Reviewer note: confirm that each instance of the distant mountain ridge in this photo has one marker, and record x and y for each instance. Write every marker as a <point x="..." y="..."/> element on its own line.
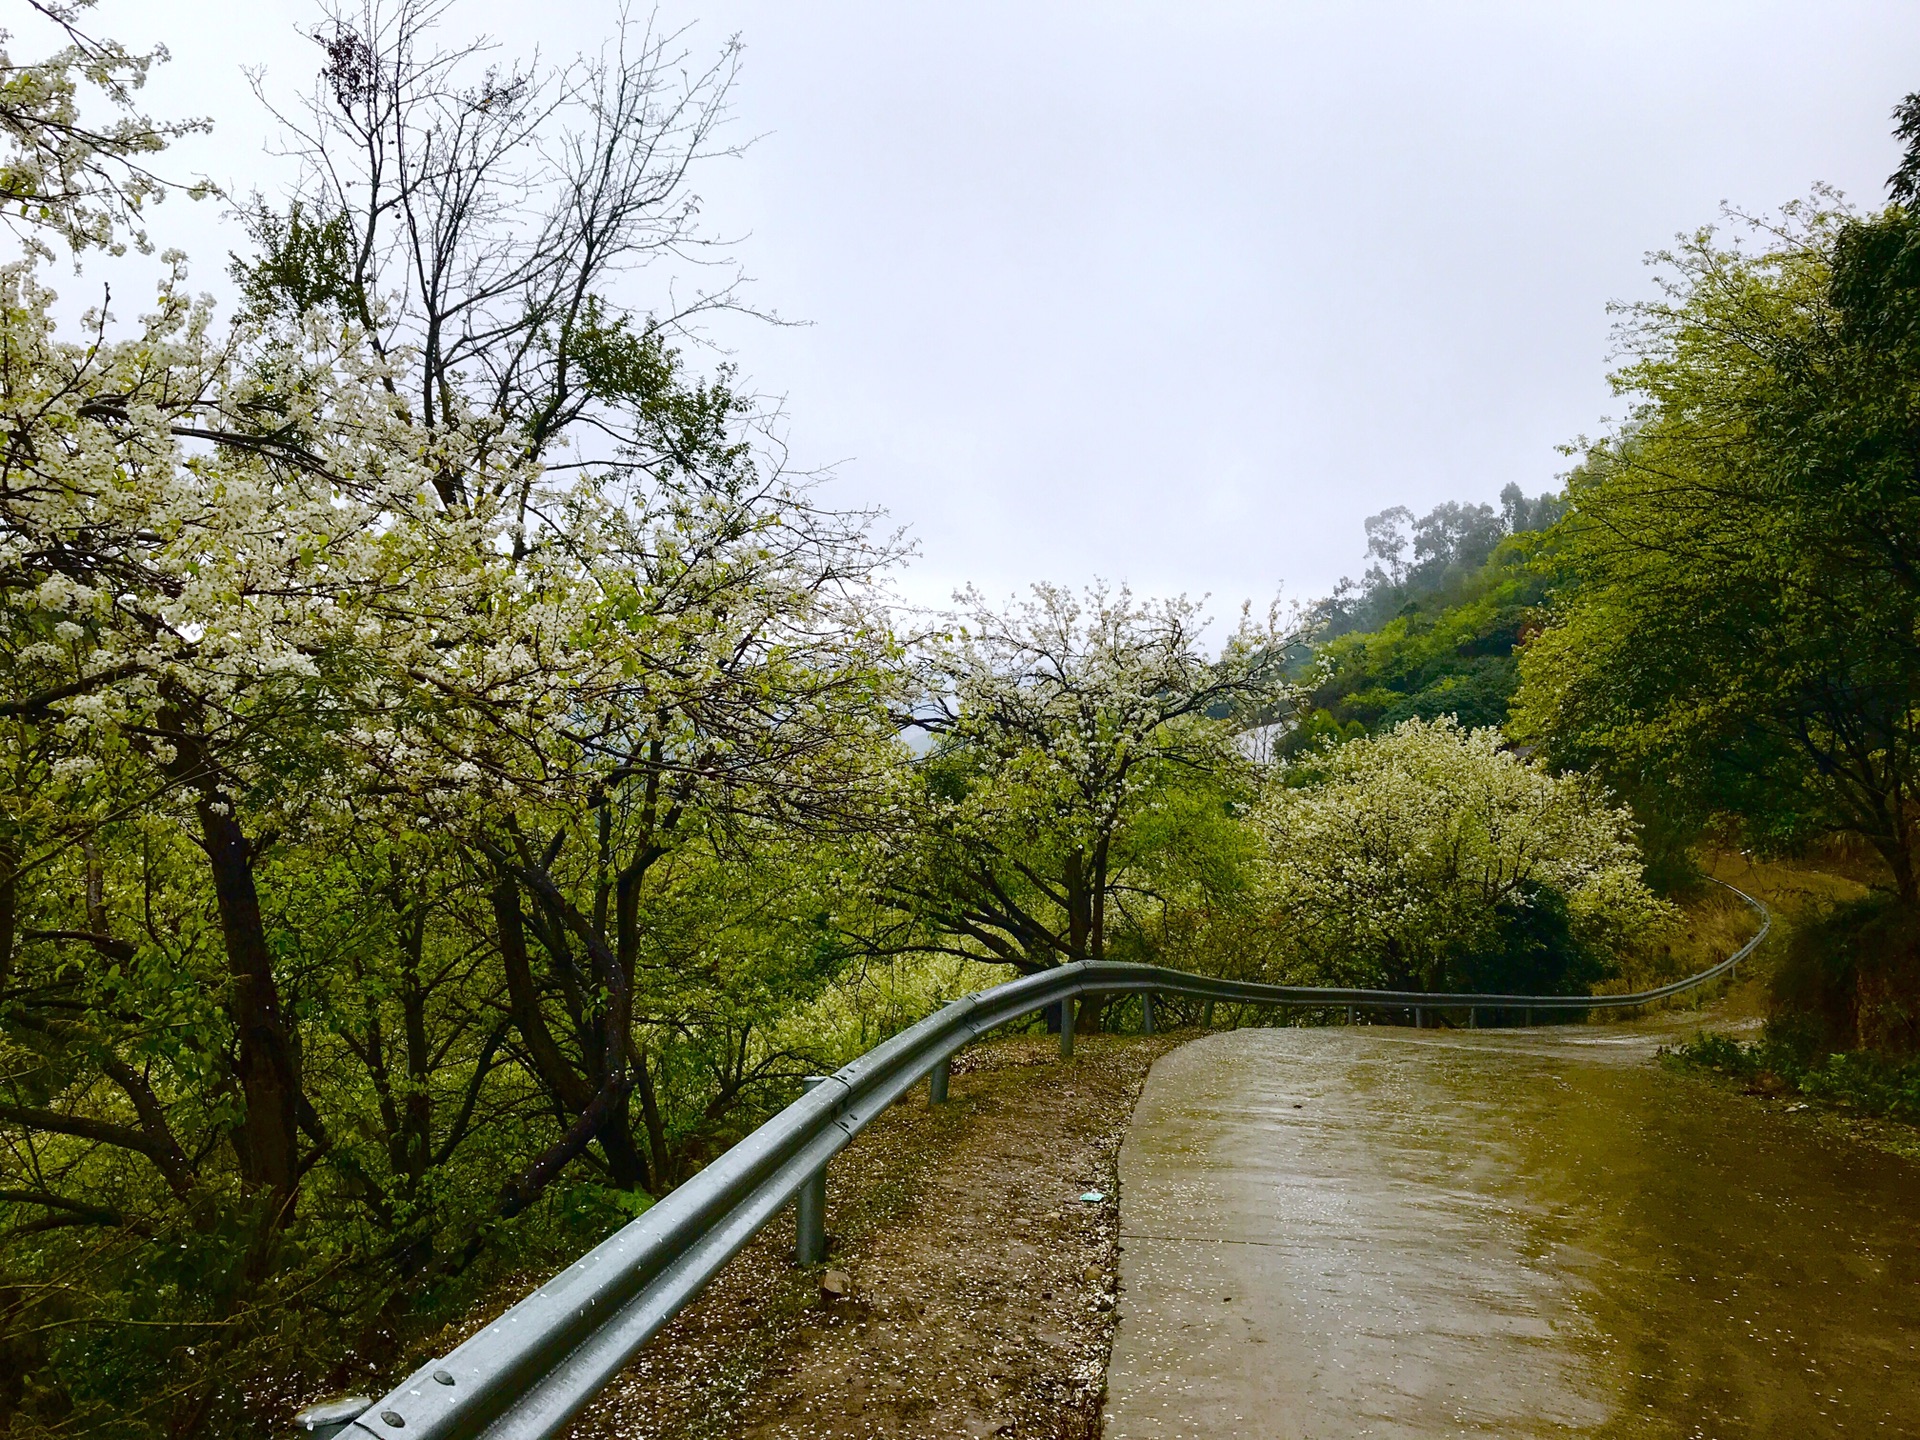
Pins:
<point x="1432" y="627"/>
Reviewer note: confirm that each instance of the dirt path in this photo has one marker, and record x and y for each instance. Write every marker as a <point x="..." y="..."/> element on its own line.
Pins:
<point x="982" y="1285"/>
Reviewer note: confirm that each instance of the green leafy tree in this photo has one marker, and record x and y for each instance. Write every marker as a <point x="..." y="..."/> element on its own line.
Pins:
<point x="1744" y="635"/>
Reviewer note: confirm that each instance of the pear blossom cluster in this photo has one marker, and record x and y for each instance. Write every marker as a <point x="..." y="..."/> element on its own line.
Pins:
<point x="1388" y="860"/>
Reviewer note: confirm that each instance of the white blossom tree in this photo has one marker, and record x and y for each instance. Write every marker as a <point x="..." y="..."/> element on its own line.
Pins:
<point x="1059" y="724"/>
<point x="1431" y="857"/>
<point x="63" y="172"/>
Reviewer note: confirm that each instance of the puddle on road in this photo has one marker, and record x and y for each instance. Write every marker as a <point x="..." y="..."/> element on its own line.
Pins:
<point x="1396" y="1233"/>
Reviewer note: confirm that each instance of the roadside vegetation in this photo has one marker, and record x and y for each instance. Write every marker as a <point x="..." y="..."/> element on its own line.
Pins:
<point x="1864" y="1081"/>
<point x="1716" y="622"/>
<point x="1737" y="650"/>
<point x="459" y="777"/>
<point x="1796" y="1035"/>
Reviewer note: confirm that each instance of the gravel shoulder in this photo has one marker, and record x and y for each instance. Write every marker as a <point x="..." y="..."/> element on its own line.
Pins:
<point x="981" y="1285"/>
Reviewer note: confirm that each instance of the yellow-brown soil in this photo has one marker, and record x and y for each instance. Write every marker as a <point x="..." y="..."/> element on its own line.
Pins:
<point x="982" y="1284"/>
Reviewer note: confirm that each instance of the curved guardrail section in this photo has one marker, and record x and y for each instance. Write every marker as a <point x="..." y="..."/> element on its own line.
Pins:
<point x="532" y="1370"/>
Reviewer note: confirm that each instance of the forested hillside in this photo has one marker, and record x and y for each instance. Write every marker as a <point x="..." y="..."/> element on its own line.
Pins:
<point x="1436" y="635"/>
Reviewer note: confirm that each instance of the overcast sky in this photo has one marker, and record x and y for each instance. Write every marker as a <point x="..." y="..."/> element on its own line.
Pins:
<point x="1179" y="293"/>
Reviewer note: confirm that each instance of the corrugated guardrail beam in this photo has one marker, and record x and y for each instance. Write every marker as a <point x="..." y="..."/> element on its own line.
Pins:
<point x="532" y="1370"/>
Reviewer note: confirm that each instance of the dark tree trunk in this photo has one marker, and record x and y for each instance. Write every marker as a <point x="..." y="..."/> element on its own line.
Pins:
<point x="1097" y="926"/>
<point x="9" y="890"/>
<point x="269" y="1071"/>
<point x="1900" y="862"/>
<point x="597" y="1097"/>
<point x="626" y="1166"/>
<point x="1079" y="916"/>
<point x="417" y="1117"/>
<point x="537" y="1176"/>
<point x="651" y="1117"/>
<point x="562" y="1081"/>
<point x="1899" y="849"/>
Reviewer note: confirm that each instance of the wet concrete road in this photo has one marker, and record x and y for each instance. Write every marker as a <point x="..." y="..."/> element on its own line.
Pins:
<point x="1385" y="1232"/>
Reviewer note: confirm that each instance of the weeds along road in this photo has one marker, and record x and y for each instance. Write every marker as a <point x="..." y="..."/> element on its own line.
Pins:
<point x="1388" y="1232"/>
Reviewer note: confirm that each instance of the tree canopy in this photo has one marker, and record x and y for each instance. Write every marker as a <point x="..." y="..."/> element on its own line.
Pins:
<point x="1742" y="630"/>
<point x="1062" y="728"/>
<point x="65" y="173"/>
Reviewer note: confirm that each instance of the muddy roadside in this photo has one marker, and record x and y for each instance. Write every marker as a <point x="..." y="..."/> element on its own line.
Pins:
<point x="980" y="1283"/>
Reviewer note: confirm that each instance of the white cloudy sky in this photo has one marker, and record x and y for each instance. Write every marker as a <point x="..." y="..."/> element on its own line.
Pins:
<point x="1178" y="293"/>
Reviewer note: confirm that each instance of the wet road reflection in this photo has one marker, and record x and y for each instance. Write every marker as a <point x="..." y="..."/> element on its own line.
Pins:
<point x="1386" y="1232"/>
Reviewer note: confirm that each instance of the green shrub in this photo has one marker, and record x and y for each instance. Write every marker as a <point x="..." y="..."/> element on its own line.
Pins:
<point x="1859" y="1080"/>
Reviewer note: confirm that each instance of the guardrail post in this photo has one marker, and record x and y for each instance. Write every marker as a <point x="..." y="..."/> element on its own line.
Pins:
<point x="1473" y="1018"/>
<point x="1146" y="1012"/>
<point x="1206" y="1017"/>
<point x="810" y="1208"/>
<point x="1349" y="1014"/>
<point x="937" y="1082"/>
<point x="1419" y="1018"/>
<point x="1066" y="1029"/>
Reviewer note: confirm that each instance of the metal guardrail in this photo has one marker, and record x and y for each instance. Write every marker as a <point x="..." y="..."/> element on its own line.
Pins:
<point x="532" y="1370"/>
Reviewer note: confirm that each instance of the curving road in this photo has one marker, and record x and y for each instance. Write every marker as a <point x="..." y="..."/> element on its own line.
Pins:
<point x="1384" y="1232"/>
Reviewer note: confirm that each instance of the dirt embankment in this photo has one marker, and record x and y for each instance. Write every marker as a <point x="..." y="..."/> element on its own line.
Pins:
<point x="982" y="1285"/>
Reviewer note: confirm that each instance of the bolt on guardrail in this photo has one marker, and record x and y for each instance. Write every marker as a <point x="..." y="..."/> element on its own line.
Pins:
<point x="530" y="1372"/>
